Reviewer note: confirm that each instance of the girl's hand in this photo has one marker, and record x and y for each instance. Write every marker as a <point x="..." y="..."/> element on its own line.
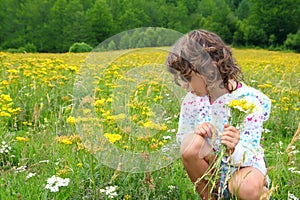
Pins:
<point x="230" y="137"/>
<point x="205" y="129"/>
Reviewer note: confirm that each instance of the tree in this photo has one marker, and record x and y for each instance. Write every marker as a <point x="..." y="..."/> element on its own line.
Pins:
<point x="242" y="11"/>
<point x="293" y="41"/>
<point x="216" y="16"/>
<point x="75" y="28"/>
<point x="275" y="17"/>
<point x="100" y="22"/>
<point x="58" y="22"/>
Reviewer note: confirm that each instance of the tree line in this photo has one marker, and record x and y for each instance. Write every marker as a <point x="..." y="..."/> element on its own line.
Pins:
<point x="54" y="25"/>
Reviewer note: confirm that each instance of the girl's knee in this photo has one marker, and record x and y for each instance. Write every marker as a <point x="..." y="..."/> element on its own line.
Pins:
<point x="250" y="190"/>
<point x="248" y="184"/>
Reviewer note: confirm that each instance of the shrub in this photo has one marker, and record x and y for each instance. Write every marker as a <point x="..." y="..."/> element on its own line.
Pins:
<point x="78" y="47"/>
<point x="29" y="47"/>
<point x="293" y="41"/>
<point x="13" y="50"/>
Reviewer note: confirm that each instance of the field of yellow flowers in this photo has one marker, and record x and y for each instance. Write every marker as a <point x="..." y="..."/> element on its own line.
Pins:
<point x="103" y="125"/>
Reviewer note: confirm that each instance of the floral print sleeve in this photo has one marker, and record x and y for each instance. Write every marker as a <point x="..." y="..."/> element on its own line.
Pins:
<point x="194" y="110"/>
<point x="249" y="152"/>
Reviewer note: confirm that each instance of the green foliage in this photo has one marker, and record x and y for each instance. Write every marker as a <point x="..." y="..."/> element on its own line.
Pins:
<point x="53" y="26"/>
<point x="80" y="47"/>
<point x="111" y="45"/>
<point x="30" y="47"/>
<point x="293" y="41"/>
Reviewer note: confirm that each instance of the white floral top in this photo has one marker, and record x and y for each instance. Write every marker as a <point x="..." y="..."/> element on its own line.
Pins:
<point x="248" y="152"/>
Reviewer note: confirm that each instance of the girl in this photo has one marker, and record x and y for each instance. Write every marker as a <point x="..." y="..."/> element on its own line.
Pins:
<point x="203" y="65"/>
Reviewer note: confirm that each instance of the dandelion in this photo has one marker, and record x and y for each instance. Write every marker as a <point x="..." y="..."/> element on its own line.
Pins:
<point x="66" y="141"/>
<point x="22" y="139"/>
<point x="127" y="197"/>
<point x="238" y="110"/>
<point x="70" y="139"/>
<point x="112" y="138"/>
<point x="71" y="120"/>
<point x="54" y="182"/>
<point x="110" y="191"/>
<point x="99" y="103"/>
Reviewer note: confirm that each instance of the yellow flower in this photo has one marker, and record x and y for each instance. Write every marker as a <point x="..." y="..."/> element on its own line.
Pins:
<point x="63" y="171"/>
<point x="66" y="141"/>
<point x="157" y="98"/>
<point x="127" y="197"/>
<point x="112" y="138"/>
<point x="79" y="165"/>
<point x="99" y="103"/>
<point x="109" y="100"/>
<point x="22" y="139"/>
<point x="4" y="114"/>
<point x="71" y="120"/>
<point x="284" y="99"/>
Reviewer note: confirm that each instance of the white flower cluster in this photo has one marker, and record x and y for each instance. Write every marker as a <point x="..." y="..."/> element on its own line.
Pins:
<point x="110" y="191"/>
<point x="55" y="182"/>
<point x="171" y="188"/>
<point x="21" y="169"/>
<point x="30" y="175"/>
<point x="4" y="148"/>
<point x="293" y="170"/>
<point x="292" y="196"/>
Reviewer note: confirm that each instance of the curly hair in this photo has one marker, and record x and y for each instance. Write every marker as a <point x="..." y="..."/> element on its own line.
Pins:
<point x="202" y="51"/>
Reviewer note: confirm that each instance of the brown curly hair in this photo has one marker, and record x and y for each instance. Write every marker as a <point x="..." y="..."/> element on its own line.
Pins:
<point x="203" y="51"/>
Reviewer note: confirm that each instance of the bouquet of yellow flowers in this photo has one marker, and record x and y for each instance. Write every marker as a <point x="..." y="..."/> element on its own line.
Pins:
<point x="236" y="111"/>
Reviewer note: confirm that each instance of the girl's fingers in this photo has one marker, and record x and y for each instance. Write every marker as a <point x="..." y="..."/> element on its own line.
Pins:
<point x="204" y="129"/>
<point x="230" y="139"/>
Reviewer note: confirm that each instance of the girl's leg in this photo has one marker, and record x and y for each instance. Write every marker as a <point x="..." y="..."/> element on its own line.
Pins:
<point x="248" y="183"/>
<point x="195" y="153"/>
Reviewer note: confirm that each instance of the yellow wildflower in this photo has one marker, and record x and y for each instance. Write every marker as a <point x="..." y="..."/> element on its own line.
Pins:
<point x="112" y="138"/>
<point x="99" y="103"/>
<point x="66" y="141"/>
<point x="71" y="120"/>
<point x="109" y="100"/>
<point x="22" y="139"/>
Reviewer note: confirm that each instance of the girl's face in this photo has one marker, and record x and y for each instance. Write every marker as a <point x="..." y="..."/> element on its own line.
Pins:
<point x="197" y="84"/>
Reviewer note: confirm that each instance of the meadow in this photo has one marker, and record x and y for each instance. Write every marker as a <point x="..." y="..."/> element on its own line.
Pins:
<point x="103" y="125"/>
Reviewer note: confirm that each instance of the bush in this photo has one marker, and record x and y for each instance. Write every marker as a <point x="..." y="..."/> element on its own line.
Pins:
<point x="13" y="50"/>
<point x="80" y="47"/>
<point x="293" y="41"/>
<point x="30" y="48"/>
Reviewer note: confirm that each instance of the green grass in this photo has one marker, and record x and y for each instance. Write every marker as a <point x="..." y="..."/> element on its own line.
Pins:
<point x="48" y="144"/>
